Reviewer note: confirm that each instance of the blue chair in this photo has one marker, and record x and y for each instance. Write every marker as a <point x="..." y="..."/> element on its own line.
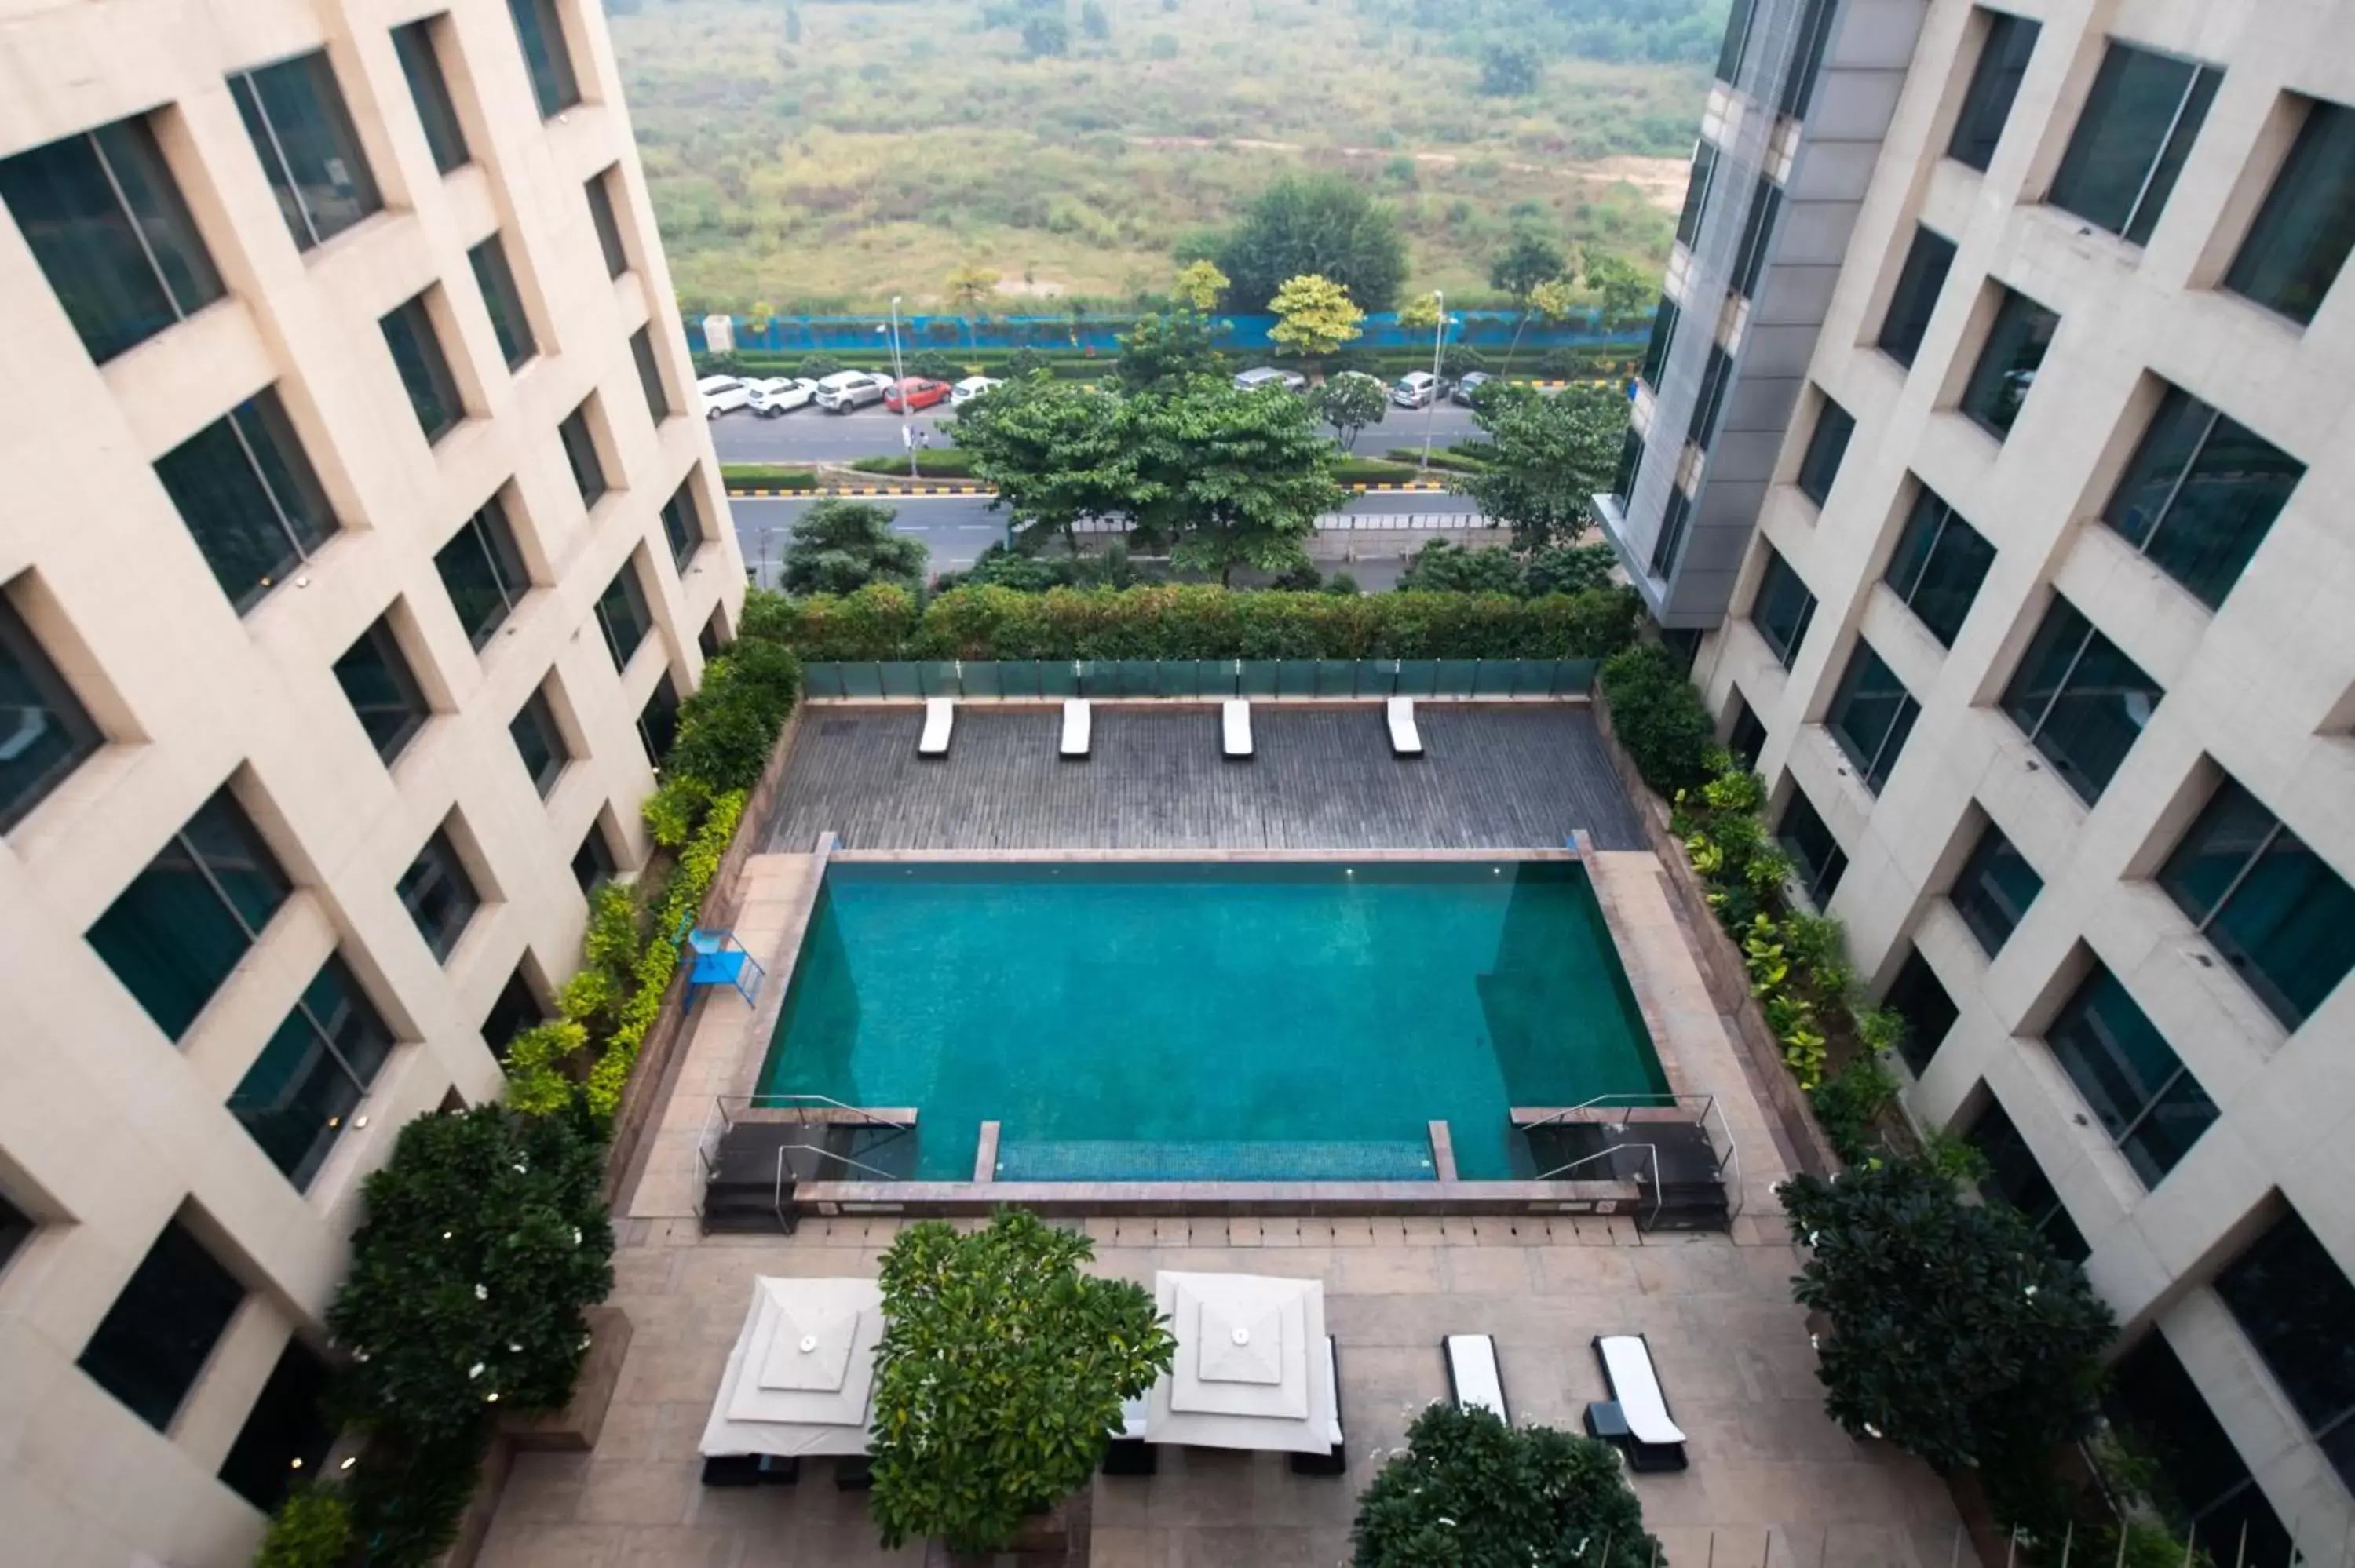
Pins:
<point x="717" y="959"/>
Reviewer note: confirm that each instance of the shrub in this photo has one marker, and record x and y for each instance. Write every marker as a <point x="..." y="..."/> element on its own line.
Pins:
<point x="1660" y="718"/>
<point x="311" y="1529"/>
<point x="1847" y="1102"/>
<point x="727" y="729"/>
<point x="1467" y="1488"/>
<point x="407" y="1498"/>
<point x="765" y="476"/>
<point x="932" y="363"/>
<point x="818" y="366"/>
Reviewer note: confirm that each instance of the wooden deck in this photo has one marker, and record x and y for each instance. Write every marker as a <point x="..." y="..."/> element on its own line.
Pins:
<point x="1496" y="777"/>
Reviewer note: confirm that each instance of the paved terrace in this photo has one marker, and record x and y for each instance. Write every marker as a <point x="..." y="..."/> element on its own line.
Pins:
<point x="1499" y="776"/>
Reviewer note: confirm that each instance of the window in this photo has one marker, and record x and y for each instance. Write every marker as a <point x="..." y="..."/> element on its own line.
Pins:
<point x="1872" y="717"/>
<point x="1783" y="610"/>
<point x="2078" y="700"/>
<point x="683" y="524"/>
<point x="1994" y="889"/>
<point x="1917" y="997"/>
<point x="2200" y="495"/>
<point x="2276" y="912"/>
<point x="540" y="743"/>
<point x="592" y="862"/>
<point x="1814" y="854"/>
<point x="1827" y="447"/>
<point x="608" y="226"/>
<point x="658" y="721"/>
<point x="1631" y="463"/>
<point x="1710" y="402"/>
<point x="424" y="373"/>
<point x="2304" y="232"/>
<point x="1807" y="61"/>
<point x="1672" y="531"/>
<point x="47" y="732"/>
<point x="2006" y="368"/>
<point x="1656" y="350"/>
<point x="15" y="1229"/>
<point x="581" y="451"/>
<point x="642" y="349"/>
<point x="103" y="216"/>
<point x="248" y="494"/>
<point x="2204" y="1483"/>
<point x="1704" y="165"/>
<point x="621" y="614"/>
<point x="1747" y="739"/>
<point x="1995" y="82"/>
<point x="2130" y="142"/>
<point x="187" y="921"/>
<point x="298" y="1094"/>
<point x="1938" y="566"/>
<point x="713" y="638"/>
<point x="436" y="110"/>
<point x="1737" y="41"/>
<point x="2141" y="1093"/>
<point x="482" y="572"/>
<point x="1766" y="202"/>
<point x="285" y="1434"/>
<point x="294" y="114"/>
<point x="2294" y="1302"/>
<point x="154" y="1341"/>
<point x="375" y="676"/>
<point x="439" y="894"/>
<point x="1917" y="295"/>
<point x="518" y="1009"/>
<point x="541" y="31"/>
<point x="504" y="301"/>
<point x="2016" y="1180"/>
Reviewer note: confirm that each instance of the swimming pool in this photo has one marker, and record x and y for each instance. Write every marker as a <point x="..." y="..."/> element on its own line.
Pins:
<point x="1296" y="1021"/>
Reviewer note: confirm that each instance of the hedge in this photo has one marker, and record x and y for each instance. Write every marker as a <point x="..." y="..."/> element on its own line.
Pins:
<point x="1660" y="718"/>
<point x="929" y="465"/>
<point x="765" y="476"/>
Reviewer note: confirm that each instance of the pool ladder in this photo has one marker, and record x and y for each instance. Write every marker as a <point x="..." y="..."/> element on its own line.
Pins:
<point x="754" y="1150"/>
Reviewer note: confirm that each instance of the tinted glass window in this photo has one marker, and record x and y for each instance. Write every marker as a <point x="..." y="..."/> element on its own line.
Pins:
<point x="682" y="525"/>
<point x="592" y="862"/>
<point x="482" y="572"/>
<point x="2130" y="142"/>
<point x="2200" y="494"/>
<point x="154" y="1340"/>
<point x="1917" y="997"/>
<point x="15" y="1230"/>
<point x="1995" y="82"/>
<point x="1757" y="231"/>
<point x="540" y="742"/>
<point x="1994" y="889"/>
<point x="504" y="301"/>
<point x="430" y="90"/>
<point x="2296" y="1305"/>
<point x="2008" y="366"/>
<point x="2202" y="1479"/>
<point x="1938" y="566"/>
<point x="2131" y="1079"/>
<point x="1783" y="608"/>
<point x="45" y="732"/>
<point x="1671" y="538"/>
<point x="609" y="228"/>
<point x="1711" y="400"/>
<point x="424" y="373"/>
<point x="1747" y="739"/>
<point x="1631" y="463"/>
<point x="658" y="721"/>
<point x="186" y="921"/>
<point x="1704" y="167"/>
<point x="1656" y="349"/>
<point x="2273" y="908"/>
<point x="1917" y="295"/>
<point x="294" y="114"/>
<point x="2079" y="700"/>
<point x="374" y="675"/>
<point x="541" y="31"/>
<point x="1871" y="715"/>
<point x="1737" y="41"/>
<point x="286" y="1433"/>
<point x="299" y="1094"/>
<point x="580" y="452"/>
<point x="642" y="350"/>
<point x="516" y="1010"/>
<point x="621" y="612"/>
<point x="439" y="894"/>
<point x="1827" y="446"/>
<point x="1806" y="63"/>
<point x="2015" y="1178"/>
<point x="248" y="493"/>
<point x="2304" y="232"/>
<point x="1815" y="854"/>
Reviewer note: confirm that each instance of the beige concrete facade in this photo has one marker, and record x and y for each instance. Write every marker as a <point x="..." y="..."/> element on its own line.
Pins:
<point x="2261" y="689"/>
<point x="108" y="1128"/>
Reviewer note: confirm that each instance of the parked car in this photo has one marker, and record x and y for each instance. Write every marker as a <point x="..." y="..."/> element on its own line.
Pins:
<point x="721" y="395"/>
<point x="1418" y="389"/>
<point x="966" y="390"/>
<point x="1472" y="382"/>
<point x="1290" y="380"/>
<point x="913" y="393"/>
<point x="782" y="395"/>
<point x="846" y="389"/>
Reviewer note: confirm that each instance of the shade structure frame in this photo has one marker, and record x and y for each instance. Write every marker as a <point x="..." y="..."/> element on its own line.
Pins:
<point x="1227" y="1387"/>
<point x="800" y="1378"/>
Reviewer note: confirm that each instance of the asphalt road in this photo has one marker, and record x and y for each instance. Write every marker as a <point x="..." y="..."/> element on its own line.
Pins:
<point x="813" y="435"/>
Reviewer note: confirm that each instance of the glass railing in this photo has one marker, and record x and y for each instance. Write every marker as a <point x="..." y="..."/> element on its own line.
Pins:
<point x="1038" y="679"/>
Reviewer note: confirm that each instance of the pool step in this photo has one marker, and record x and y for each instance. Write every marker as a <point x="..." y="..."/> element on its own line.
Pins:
<point x="1212" y="1159"/>
<point x="1691" y="1194"/>
<point x="742" y="1190"/>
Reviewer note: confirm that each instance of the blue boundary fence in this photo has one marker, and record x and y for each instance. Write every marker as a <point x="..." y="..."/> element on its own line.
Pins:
<point x="1202" y="678"/>
<point x="787" y="335"/>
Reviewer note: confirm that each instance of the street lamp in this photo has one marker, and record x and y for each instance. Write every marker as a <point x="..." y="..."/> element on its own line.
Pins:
<point x="1438" y="348"/>
<point x="898" y="386"/>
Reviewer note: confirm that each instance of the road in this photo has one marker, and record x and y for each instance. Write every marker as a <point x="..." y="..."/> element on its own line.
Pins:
<point x="811" y="435"/>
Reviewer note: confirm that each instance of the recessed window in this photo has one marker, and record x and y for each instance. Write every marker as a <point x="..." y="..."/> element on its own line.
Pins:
<point x="1710" y="402"/>
<point x="294" y="114"/>
<point x="608" y="226"/>
<point x="1995" y="888"/>
<point x="540" y="30"/>
<point x="17" y="1228"/>
<point x="658" y="721"/>
<point x="286" y="1433"/>
<point x="482" y="572"/>
<point x="2294" y="1303"/>
<point x="519" y="1008"/>
<point x="2204" y="1484"/>
<point x="297" y="1097"/>
<point x="1995" y="82"/>
<point x="2145" y="1099"/>
<point x="2200" y="494"/>
<point x="540" y="743"/>
<point x="2015" y="1178"/>
<point x="1827" y="448"/>
<point x="375" y="676"/>
<point x="1918" y="998"/>
<point x="187" y="921"/>
<point x="1656" y="348"/>
<point x="439" y="894"/>
<point x="592" y="862"/>
<point x="2008" y="366"/>
<point x="1757" y="231"/>
<point x="504" y="301"/>
<point x="424" y="372"/>
<point x="421" y="64"/>
<point x="45" y="732"/>
<point x="1918" y="284"/>
<point x="154" y="1341"/>
<point x="1704" y="167"/>
<point x="682" y="522"/>
<point x="642" y="350"/>
<point x="1816" y="855"/>
<point x="1671" y="539"/>
<point x="1783" y="608"/>
<point x="103" y="216"/>
<point x="1737" y="41"/>
<point x="2079" y="700"/>
<point x="2130" y="142"/>
<point x="1806" y="62"/>
<point x="1747" y="739"/>
<point x="1872" y="717"/>
<point x="1938" y="566"/>
<point x="622" y="615"/>
<point x="250" y="496"/>
<point x="580" y="452"/>
<point x="2273" y="909"/>
<point x="1631" y="463"/>
<point x="713" y="638"/>
<point x="2302" y="234"/>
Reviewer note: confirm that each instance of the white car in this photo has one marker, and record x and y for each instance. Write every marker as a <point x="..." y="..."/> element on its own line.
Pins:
<point x="1290" y="380"/>
<point x="782" y="395"/>
<point x="846" y="389"/>
<point x="1418" y="389"/>
<point x="722" y="394"/>
<point x="966" y="390"/>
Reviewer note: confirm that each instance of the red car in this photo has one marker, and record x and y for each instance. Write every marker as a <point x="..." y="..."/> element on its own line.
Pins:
<point x="914" y="393"/>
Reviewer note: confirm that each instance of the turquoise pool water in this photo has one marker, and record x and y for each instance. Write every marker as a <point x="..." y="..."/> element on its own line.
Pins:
<point x="1135" y="1021"/>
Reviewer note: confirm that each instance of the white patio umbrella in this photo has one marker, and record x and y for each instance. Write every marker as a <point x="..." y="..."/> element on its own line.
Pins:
<point x="1251" y="1369"/>
<point x="803" y="1371"/>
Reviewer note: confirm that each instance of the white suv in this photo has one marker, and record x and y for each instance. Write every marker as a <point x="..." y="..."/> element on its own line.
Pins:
<point x="781" y="394"/>
<point x="722" y="394"/>
<point x="846" y="389"/>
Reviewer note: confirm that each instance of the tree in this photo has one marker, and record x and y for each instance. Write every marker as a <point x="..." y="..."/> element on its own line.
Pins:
<point x="1054" y="453"/>
<point x="1349" y="402"/>
<point x="840" y="547"/>
<point x="1955" y="1332"/>
<point x="1228" y="478"/>
<point x="818" y="366"/>
<point x="1510" y="70"/>
<point x="1093" y="21"/>
<point x="1570" y="568"/>
<point x="1624" y="287"/>
<point x="1469" y="1489"/>
<point x="971" y="286"/>
<point x="1528" y="263"/>
<point x="1200" y="283"/>
<point x="1314" y="316"/>
<point x="932" y="365"/>
<point x="1043" y="35"/>
<point x="999" y="1377"/>
<point x="1318" y="223"/>
<point x="1165" y="348"/>
<point x="1420" y="314"/>
<point x="1552" y="454"/>
<point x="1445" y="566"/>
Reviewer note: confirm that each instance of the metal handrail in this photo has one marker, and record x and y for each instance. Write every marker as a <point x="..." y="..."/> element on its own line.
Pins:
<point x="1651" y="1155"/>
<point x="1729" y="1161"/>
<point x="1628" y="1103"/>
<point x="810" y="1102"/>
<point x="876" y="1171"/>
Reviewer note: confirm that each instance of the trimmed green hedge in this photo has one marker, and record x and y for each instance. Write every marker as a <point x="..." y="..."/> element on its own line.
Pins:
<point x="1660" y="718"/>
<point x="929" y="465"/>
<point x="765" y="476"/>
<point x="1368" y="470"/>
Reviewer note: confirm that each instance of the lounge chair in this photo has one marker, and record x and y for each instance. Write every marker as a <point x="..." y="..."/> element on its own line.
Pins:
<point x="750" y="1470"/>
<point x="1636" y="1415"/>
<point x="1076" y="727"/>
<point x="938" y="714"/>
<point x="1129" y="1453"/>
<point x="1235" y="720"/>
<point x="1336" y="1462"/>
<point x="1405" y="739"/>
<point x="1472" y="1376"/>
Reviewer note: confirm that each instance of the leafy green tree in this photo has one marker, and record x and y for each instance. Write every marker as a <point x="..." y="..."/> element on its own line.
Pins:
<point x="1570" y="568"/>
<point x="719" y="362"/>
<point x="971" y="286"/>
<point x="311" y="1529"/>
<point x="818" y="366"/>
<point x="728" y="727"/>
<point x="1026" y="362"/>
<point x="1551" y="455"/>
<point x="1349" y="402"/>
<point x="932" y="363"/>
<point x="1201" y="284"/>
<point x="1445" y="566"/>
<point x="1055" y="454"/>
<point x="1168" y="346"/>
<point x="1044" y="35"/>
<point x="999" y="1377"/>
<point x="1228" y="478"/>
<point x="1093" y="21"/>
<point x="1314" y="316"/>
<point x="1468" y="1489"/>
<point x="1510" y="70"/>
<point x="1461" y="359"/>
<point x="1624" y="288"/>
<point x="1320" y="224"/>
<point x="1420" y="314"/>
<point x="840" y="547"/>
<point x="1528" y="261"/>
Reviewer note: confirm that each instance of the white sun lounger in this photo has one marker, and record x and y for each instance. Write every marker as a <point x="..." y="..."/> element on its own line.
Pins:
<point x="1076" y="727"/>
<point x="940" y="714"/>
<point x="1472" y="1375"/>
<point x="1235" y="720"/>
<point x="1658" y="1443"/>
<point x="1405" y="740"/>
<point x="1336" y="1462"/>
